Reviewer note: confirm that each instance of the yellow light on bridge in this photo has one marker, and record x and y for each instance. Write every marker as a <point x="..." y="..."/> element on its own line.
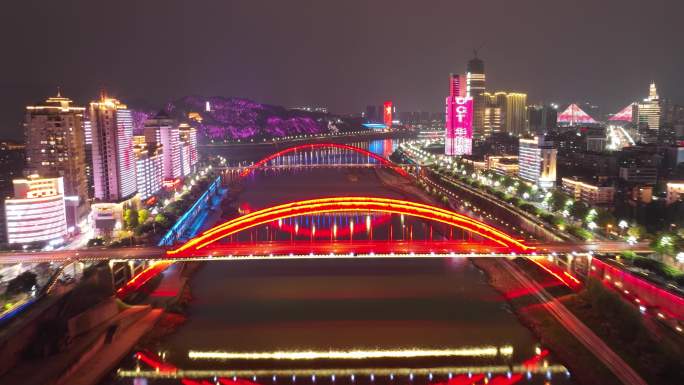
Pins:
<point x="480" y="351"/>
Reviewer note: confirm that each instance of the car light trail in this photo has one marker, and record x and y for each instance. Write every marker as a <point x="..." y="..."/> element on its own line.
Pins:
<point x="483" y="351"/>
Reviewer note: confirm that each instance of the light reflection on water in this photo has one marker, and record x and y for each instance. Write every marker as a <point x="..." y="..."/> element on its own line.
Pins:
<point x="264" y="306"/>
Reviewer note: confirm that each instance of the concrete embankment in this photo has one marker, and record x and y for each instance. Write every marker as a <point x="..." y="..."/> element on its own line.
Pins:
<point x="552" y="335"/>
<point x="98" y="339"/>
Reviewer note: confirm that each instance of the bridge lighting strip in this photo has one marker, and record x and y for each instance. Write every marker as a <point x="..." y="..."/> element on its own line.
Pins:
<point x="376" y="372"/>
<point x="483" y="351"/>
<point x="312" y="146"/>
<point x="349" y="204"/>
<point x="275" y="257"/>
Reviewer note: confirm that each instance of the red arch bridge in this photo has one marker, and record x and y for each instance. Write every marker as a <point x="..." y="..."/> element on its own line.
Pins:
<point x="131" y="266"/>
<point x="279" y="160"/>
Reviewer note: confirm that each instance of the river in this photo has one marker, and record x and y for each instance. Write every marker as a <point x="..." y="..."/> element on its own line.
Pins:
<point x="369" y="306"/>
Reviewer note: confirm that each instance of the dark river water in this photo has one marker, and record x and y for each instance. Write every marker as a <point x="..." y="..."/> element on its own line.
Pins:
<point x="366" y="306"/>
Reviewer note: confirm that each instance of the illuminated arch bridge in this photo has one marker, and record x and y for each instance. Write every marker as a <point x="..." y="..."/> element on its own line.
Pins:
<point x="265" y="216"/>
<point x="315" y="146"/>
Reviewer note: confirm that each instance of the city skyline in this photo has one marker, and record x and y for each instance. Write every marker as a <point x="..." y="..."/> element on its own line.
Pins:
<point x="204" y="55"/>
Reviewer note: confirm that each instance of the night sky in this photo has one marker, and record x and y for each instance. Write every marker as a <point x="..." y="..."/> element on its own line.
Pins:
<point x="342" y="54"/>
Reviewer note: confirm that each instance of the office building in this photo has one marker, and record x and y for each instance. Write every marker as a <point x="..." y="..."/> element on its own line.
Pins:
<point x="475" y="88"/>
<point x="537" y="161"/>
<point x="508" y="109"/>
<point x="649" y="112"/>
<point x="36" y="213"/>
<point x="55" y="144"/>
<point x="113" y="160"/>
<point x="542" y="118"/>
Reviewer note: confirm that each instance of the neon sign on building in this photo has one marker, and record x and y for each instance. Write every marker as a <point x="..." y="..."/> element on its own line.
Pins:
<point x="459" y="126"/>
<point x="387" y="114"/>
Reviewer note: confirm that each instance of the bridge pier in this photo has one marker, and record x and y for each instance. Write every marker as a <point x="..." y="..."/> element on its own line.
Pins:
<point x="122" y="271"/>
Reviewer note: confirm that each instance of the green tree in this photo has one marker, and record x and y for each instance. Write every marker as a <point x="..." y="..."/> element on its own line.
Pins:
<point x="162" y="220"/>
<point x="636" y="231"/>
<point x="130" y="218"/>
<point x="579" y="210"/>
<point x="605" y="218"/>
<point x="143" y="215"/>
<point x="22" y="283"/>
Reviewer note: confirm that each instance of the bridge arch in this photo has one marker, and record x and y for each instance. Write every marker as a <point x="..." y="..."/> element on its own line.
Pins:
<point x="312" y="146"/>
<point x="346" y="205"/>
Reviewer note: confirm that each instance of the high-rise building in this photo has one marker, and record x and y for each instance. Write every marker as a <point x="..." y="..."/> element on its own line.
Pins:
<point x="649" y="112"/>
<point x="542" y="118"/>
<point x="537" y="161"/>
<point x="113" y="159"/>
<point x="87" y="128"/>
<point x="188" y="142"/>
<point x="163" y="130"/>
<point x="37" y="211"/>
<point x="387" y="109"/>
<point x="475" y="88"/>
<point x="149" y="164"/>
<point x="511" y="114"/>
<point x="458" y="135"/>
<point x="516" y="113"/>
<point x="55" y="144"/>
<point x="493" y="120"/>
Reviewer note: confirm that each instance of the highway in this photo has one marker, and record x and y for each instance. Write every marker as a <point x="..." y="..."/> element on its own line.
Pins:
<point x="581" y="332"/>
<point x="305" y="248"/>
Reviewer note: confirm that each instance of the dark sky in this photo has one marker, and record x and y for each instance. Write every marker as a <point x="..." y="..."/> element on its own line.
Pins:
<point x="343" y="54"/>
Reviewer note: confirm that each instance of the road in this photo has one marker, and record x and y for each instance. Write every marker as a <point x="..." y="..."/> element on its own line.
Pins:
<point x="378" y="248"/>
<point x="582" y="333"/>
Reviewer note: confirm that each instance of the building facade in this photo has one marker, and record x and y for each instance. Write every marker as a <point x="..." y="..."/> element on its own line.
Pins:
<point x="162" y="130"/>
<point x="458" y="136"/>
<point x="475" y="88"/>
<point x="537" y="161"/>
<point x="37" y="212"/>
<point x="649" y="112"/>
<point x="588" y="192"/>
<point x="149" y="166"/>
<point x="55" y="144"/>
<point x="112" y="150"/>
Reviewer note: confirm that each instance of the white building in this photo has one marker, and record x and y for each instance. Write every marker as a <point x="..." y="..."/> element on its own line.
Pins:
<point x="112" y="150"/>
<point x="149" y="164"/>
<point x="163" y="131"/>
<point x="188" y="142"/>
<point x="37" y="211"/>
<point x="537" y="162"/>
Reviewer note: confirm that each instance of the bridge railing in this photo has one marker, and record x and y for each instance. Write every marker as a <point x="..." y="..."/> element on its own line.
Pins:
<point x="181" y="225"/>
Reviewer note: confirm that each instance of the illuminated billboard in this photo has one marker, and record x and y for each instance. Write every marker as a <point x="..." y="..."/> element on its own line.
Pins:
<point x="387" y="114"/>
<point x="458" y="138"/>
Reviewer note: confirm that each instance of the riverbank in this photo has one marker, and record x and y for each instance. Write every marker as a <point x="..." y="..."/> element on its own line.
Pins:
<point x="638" y="340"/>
<point x="584" y="367"/>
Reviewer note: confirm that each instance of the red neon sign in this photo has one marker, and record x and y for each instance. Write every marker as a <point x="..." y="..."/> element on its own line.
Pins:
<point x="459" y="126"/>
<point x="387" y="114"/>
